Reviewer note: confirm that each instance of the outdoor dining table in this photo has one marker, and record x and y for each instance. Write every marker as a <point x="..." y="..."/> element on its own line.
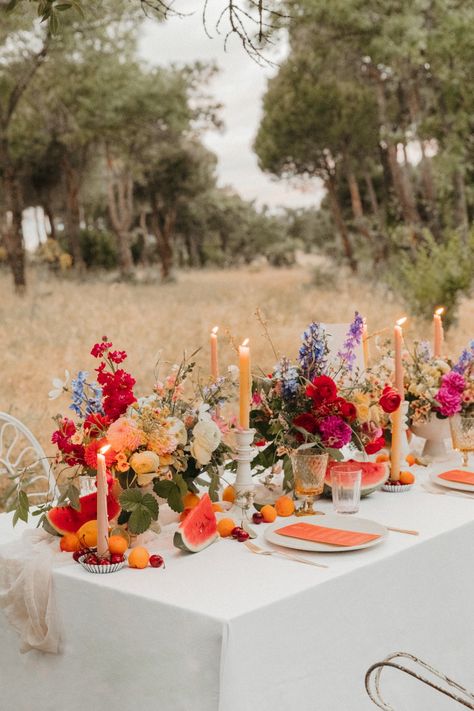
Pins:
<point x="226" y="630"/>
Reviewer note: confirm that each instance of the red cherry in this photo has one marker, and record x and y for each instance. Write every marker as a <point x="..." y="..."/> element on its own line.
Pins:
<point x="116" y="558"/>
<point x="76" y="555"/>
<point x="236" y="531"/>
<point x="243" y="536"/>
<point x="257" y="517"/>
<point x="156" y="561"/>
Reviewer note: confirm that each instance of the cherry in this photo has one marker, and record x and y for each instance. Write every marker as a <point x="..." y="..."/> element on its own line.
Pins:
<point x="116" y="558"/>
<point x="236" y="531"/>
<point x="78" y="554"/>
<point x="91" y="560"/>
<point x="257" y="517"/>
<point x="156" y="561"/>
<point x="243" y="536"/>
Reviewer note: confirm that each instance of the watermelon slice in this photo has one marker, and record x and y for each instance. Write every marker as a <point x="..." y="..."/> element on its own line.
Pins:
<point x="374" y="476"/>
<point x="65" y="519"/>
<point x="199" y="528"/>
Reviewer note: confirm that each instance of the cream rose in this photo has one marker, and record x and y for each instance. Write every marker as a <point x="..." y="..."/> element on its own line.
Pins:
<point x="145" y="465"/>
<point x="206" y="438"/>
<point x="178" y="430"/>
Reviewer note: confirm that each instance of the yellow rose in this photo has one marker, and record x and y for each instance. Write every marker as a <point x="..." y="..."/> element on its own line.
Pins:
<point x="206" y="438"/>
<point x="145" y="465"/>
<point x="362" y="404"/>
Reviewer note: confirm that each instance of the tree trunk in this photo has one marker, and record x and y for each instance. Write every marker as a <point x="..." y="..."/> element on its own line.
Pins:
<point x="120" y="204"/>
<point x="72" y="217"/>
<point x="162" y="226"/>
<point x="356" y="202"/>
<point x="340" y="224"/>
<point x="462" y="215"/>
<point x="374" y="203"/>
<point x="48" y="211"/>
<point x="13" y="234"/>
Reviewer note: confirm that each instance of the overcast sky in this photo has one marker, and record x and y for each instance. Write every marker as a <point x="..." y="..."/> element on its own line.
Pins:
<point x="239" y="86"/>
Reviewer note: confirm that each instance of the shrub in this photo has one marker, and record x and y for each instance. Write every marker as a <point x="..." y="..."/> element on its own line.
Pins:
<point x="98" y="249"/>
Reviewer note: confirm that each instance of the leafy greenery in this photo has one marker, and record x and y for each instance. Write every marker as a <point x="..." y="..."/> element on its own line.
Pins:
<point x="143" y="509"/>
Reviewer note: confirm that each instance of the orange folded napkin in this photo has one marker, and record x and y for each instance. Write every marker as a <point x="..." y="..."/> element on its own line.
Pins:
<point x="323" y="534"/>
<point x="458" y="475"/>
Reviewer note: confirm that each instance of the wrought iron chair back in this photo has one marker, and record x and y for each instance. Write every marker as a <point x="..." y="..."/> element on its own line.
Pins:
<point x="23" y="462"/>
<point x="451" y="688"/>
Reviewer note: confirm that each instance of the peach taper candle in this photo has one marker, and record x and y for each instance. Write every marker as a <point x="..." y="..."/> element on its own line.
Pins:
<point x="214" y="354"/>
<point x="438" y="333"/>
<point x="102" y="517"/>
<point x="398" y="343"/>
<point x="245" y="385"/>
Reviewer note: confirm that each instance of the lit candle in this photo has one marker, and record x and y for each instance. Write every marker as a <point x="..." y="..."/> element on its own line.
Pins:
<point x="395" y="451"/>
<point x="399" y="373"/>
<point x="365" y="344"/>
<point x="438" y="333"/>
<point x="245" y="384"/>
<point x="214" y="354"/>
<point x="102" y="517"/>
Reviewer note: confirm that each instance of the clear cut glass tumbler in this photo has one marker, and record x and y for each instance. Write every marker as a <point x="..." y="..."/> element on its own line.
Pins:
<point x="345" y="482"/>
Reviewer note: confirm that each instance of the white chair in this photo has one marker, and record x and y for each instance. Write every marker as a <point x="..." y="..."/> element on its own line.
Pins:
<point x="23" y="462"/>
<point x="451" y="688"/>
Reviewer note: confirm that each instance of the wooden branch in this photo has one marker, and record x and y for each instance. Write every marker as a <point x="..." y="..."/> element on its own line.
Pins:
<point x="23" y="83"/>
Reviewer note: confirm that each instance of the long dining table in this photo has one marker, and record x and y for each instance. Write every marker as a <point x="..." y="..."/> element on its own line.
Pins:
<point x="227" y="630"/>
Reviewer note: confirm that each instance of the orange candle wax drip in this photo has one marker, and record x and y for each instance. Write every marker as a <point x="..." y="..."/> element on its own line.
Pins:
<point x="245" y="385"/>
<point x="214" y="354"/>
<point x="102" y="517"/>
<point x="438" y="333"/>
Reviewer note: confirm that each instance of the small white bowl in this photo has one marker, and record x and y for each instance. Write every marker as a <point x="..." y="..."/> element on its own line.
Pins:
<point x="101" y="569"/>
<point x="397" y="489"/>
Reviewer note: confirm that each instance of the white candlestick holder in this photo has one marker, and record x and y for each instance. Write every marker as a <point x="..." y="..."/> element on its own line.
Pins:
<point x="244" y="485"/>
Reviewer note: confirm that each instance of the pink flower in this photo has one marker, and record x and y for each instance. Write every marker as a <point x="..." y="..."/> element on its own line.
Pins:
<point x="450" y="394"/>
<point x="335" y="432"/>
<point x="124" y="435"/>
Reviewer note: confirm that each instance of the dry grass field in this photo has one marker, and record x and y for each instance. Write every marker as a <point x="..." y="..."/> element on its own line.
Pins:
<point x="54" y="326"/>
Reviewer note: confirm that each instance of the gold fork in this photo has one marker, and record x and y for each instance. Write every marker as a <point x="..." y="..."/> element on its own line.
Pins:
<point x="263" y="551"/>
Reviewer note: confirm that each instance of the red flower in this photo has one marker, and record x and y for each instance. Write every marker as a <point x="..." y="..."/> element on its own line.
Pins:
<point x="117" y="391"/>
<point x="306" y="421"/>
<point x="347" y="409"/>
<point x="99" y="349"/>
<point x="91" y="450"/>
<point x="322" y="389"/>
<point x="375" y="446"/>
<point x="260" y="443"/>
<point x="96" y="424"/>
<point x="117" y="356"/>
<point x="73" y="453"/>
<point x="390" y="399"/>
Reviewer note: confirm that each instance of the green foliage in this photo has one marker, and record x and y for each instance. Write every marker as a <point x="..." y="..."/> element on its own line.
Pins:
<point x="143" y="509"/>
<point x="434" y="274"/>
<point x="98" y="249"/>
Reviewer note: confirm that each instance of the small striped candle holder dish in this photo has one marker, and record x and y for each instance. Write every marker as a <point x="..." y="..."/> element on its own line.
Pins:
<point x="101" y="569"/>
<point x="396" y="488"/>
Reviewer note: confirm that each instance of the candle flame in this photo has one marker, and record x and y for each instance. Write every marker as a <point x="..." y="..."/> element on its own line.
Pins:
<point x="215" y="329"/>
<point x="401" y="321"/>
<point x="104" y="449"/>
<point x="246" y="342"/>
<point x="439" y="311"/>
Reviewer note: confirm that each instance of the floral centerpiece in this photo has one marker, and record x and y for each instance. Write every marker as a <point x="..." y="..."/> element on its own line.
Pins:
<point x="160" y="445"/>
<point x="456" y="392"/>
<point x="320" y="402"/>
<point x="423" y="377"/>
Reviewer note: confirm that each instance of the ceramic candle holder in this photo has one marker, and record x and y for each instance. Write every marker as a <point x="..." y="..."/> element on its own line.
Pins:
<point x="244" y="485"/>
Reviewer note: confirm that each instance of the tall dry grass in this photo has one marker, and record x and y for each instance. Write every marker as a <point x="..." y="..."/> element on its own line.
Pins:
<point x="54" y="326"/>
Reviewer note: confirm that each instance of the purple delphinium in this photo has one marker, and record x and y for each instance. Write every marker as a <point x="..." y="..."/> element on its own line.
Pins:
<point x="353" y="338"/>
<point x="335" y="432"/>
<point x="86" y="397"/>
<point x="288" y="375"/>
<point x="313" y="351"/>
<point x="465" y="359"/>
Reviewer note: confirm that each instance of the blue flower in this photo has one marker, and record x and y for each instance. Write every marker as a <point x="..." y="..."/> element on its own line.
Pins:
<point x="465" y="359"/>
<point x="424" y="351"/>
<point x="86" y="397"/>
<point x="314" y="349"/>
<point x="353" y="338"/>
<point x="289" y="377"/>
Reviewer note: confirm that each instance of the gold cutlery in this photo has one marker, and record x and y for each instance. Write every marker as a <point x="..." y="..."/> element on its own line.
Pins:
<point x="263" y="551"/>
<point x="403" y="530"/>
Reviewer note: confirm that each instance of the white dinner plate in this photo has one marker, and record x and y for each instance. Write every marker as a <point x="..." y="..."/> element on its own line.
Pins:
<point x="344" y="523"/>
<point x="459" y="486"/>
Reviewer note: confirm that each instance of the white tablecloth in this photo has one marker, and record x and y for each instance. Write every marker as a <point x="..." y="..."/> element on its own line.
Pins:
<point x="225" y="630"/>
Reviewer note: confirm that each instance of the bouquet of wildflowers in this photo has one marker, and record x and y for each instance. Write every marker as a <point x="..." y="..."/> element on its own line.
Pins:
<point x="162" y="443"/>
<point x="319" y="402"/>
<point x="423" y="377"/>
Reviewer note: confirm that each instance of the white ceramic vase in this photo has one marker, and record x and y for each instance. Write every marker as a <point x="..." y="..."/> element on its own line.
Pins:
<point x="435" y="431"/>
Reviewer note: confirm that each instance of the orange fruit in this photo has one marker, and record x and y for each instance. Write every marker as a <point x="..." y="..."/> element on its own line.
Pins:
<point x="87" y="534"/>
<point x="269" y="513"/>
<point x="285" y="506"/>
<point x="183" y="514"/>
<point x="382" y="458"/>
<point x="410" y="459"/>
<point x="217" y="507"/>
<point x="407" y="478"/>
<point x="117" y="545"/>
<point x="229" y="494"/>
<point x="70" y="543"/>
<point x="138" y="557"/>
<point x="191" y="500"/>
<point x="225" y="527"/>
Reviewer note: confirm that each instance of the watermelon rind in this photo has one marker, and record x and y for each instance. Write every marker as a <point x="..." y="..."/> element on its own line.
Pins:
<point x="374" y="476"/>
<point x="65" y="519"/>
<point x="199" y="528"/>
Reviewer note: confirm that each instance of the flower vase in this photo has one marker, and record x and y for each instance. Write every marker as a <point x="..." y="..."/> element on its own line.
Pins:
<point x="434" y="431"/>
